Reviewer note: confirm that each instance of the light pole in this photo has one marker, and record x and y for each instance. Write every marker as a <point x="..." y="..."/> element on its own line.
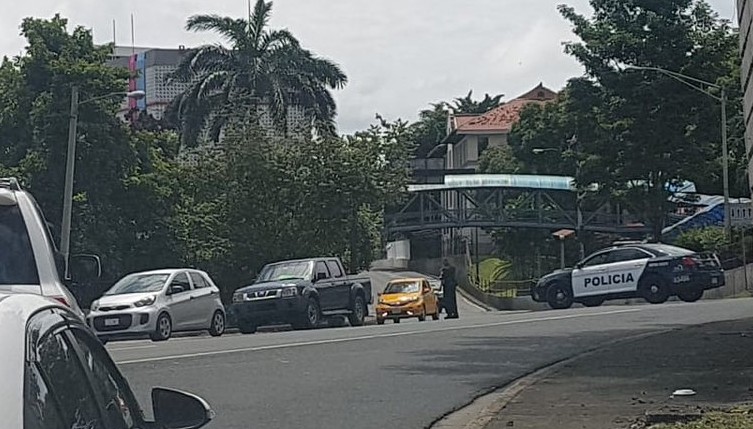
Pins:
<point x="696" y="83"/>
<point x="571" y="142"/>
<point x="70" y="164"/>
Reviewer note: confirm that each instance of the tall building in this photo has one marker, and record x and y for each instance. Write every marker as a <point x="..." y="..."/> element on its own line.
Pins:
<point x="150" y="71"/>
<point x="745" y="19"/>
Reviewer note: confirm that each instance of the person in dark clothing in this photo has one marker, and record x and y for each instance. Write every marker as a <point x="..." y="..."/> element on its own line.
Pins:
<point x="449" y="284"/>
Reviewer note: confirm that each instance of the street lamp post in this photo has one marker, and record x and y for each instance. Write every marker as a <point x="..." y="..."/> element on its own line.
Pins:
<point x="70" y="164"/>
<point x="696" y="83"/>
<point x="578" y="195"/>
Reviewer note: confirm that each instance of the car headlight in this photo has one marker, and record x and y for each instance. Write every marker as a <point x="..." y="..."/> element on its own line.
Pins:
<point x="94" y="306"/>
<point x="238" y="297"/>
<point x="149" y="300"/>
<point x="289" y="291"/>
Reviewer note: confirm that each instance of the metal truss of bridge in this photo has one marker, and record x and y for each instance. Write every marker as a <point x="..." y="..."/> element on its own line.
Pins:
<point x="507" y="201"/>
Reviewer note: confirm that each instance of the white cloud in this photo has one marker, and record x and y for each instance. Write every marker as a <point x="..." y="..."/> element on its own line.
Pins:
<point x="399" y="55"/>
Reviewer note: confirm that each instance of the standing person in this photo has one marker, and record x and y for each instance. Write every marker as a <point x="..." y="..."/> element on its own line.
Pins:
<point x="449" y="283"/>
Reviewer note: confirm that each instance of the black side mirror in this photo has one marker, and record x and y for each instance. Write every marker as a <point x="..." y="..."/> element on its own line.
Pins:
<point x="173" y="289"/>
<point x="174" y="409"/>
<point x="84" y="268"/>
<point x="320" y="276"/>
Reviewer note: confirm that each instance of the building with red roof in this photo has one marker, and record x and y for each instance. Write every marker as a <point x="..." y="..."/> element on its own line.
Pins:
<point x="470" y="134"/>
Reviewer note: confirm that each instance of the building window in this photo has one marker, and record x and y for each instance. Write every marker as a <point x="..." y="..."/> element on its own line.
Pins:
<point x="483" y="144"/>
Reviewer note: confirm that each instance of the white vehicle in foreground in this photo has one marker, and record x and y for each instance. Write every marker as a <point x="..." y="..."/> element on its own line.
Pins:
<point x="55" y="374"/>
<point x="158" y="303"/>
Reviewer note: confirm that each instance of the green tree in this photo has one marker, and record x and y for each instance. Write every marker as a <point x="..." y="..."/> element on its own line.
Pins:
<point x="468" y="105"/>
<point x="261" y="69"/>
<point x="658" y="130"/>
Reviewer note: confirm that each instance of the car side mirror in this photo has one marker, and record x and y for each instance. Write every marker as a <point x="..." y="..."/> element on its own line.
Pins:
<point x="579" y="265"/>
<point x="320" y="276"/>
<point x="173" y="289"/>
<point x="84" y="268"/>
<point x="174" y="409"/>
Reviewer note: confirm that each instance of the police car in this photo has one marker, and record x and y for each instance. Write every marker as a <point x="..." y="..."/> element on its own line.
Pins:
<point x="652" y="271"/>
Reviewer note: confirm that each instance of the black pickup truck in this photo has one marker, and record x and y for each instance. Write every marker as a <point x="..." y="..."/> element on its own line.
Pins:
<point x="302" y="293"/>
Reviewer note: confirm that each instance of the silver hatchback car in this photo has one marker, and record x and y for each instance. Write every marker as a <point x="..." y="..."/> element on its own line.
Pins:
<point x="158" y="303"/>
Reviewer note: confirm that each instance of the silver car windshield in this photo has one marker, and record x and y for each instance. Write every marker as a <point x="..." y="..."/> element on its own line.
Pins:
<point x="300" y="270"/>
<point x="17" y="263"/>
<point x="138" y="283"/>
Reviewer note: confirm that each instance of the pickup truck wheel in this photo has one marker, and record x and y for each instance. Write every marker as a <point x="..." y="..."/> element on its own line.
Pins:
<point x="247" y="328"/>
<point x="691" y="295"/>
<point x="313" y="314"/>
<point x="358" y="315"/>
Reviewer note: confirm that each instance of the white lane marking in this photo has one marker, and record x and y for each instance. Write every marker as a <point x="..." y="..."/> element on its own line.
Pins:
<point x="129" y="348"/>
<point x="370" y="337"/>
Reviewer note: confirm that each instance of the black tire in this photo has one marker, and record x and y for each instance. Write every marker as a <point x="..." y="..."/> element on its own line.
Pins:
<point x="654" y="290"/>
<point x="593" y="301"/>
<point x="690" y="295"/>
<point x="559" y="297"/>
<point x="247" y="327"/>
<point x="396" y="320"/>
<point x="313" y="315"/>
<point x="217" y="327"/>
<point x="164" y="328"/>
<point x="358" y="316"/>
<point x="380" y="321"/>
<point x="422" y="316"/>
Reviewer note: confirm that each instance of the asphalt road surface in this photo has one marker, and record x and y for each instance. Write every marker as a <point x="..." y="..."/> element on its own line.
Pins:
<point x="405" y="375"/>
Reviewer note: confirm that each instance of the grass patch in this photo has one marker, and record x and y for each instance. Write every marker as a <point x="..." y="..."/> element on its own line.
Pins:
<point x="732" y="419"/>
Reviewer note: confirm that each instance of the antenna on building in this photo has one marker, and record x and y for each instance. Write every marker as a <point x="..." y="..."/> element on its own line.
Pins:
<point x="114" y="37"/>
<point x="249" y="13"/>
<point x="133" y="37"/>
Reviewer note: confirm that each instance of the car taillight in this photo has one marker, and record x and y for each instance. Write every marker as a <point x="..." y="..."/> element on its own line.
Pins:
<point x="689" y="262"/>
<point x="62" y="300"/>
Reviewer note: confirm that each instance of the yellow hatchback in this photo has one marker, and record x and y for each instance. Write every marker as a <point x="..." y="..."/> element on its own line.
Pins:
<point x="407" y="298"/>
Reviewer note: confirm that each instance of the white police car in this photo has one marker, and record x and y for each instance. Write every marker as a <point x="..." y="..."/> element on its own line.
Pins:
<point x="651" y="271"/>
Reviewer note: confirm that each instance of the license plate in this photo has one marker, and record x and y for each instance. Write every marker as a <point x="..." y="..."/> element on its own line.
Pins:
<point x="112" y="322"/>
<point x="395" y="311"/>
<point x="714" y="280"/>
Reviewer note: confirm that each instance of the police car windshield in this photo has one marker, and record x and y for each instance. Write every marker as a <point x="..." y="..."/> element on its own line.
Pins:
<point x="402" y="287"/>
<point x="667" y="250"/>
<point x="17" y="263"/>
<point x="138" y="283"/>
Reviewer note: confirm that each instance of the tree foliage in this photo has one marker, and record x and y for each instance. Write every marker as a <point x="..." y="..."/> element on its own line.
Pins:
<point x="262" y="72"/>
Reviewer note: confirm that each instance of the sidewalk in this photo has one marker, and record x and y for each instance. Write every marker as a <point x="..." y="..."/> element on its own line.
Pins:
<point x="627" y="384"/>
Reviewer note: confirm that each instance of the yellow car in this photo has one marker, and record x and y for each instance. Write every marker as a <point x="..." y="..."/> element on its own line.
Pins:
<point x="407" y="298"/>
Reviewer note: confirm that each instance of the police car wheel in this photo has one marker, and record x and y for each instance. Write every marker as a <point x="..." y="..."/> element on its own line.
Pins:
<point x="691" y="295"/>
<point x="559" y="297"/>
<point x="593" y="301"/>
<point x="654" y="290"/>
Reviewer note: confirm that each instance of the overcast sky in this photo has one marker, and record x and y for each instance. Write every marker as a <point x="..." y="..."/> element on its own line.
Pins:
<point x="399" y="55"/>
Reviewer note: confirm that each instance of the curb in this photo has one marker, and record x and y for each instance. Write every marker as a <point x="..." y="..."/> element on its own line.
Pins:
<point x="369" y="321"/>
<point x="482" y="409"/>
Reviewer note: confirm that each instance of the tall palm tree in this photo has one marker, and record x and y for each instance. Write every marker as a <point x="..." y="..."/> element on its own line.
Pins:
<point x="260" y="68"/>
<point x="468" y="105"/>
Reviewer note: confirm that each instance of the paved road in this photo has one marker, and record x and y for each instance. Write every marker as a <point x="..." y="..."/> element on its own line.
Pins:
<point x="404" y="375"/>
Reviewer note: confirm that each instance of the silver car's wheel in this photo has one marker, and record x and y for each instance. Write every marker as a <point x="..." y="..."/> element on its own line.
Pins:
<point x="164" y="328"/>
<point x="218" y="324"/>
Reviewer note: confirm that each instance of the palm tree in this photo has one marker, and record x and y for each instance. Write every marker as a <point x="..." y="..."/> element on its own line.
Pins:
<point x="262" y="69"/>
<point x="468" y="105"/>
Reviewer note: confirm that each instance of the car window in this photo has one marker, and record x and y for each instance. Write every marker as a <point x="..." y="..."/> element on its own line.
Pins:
<point x="334" y="268"/>
<point x="121" y="411"/>
<point x="622" y="255"/>
<point x="199" y="281"/>
<point x="17" y="263"/>
<point x="321" y="267"/>
<point x="62" y="373"/>
<point x="181" y="279"/>
<point x="597" y="259"/>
